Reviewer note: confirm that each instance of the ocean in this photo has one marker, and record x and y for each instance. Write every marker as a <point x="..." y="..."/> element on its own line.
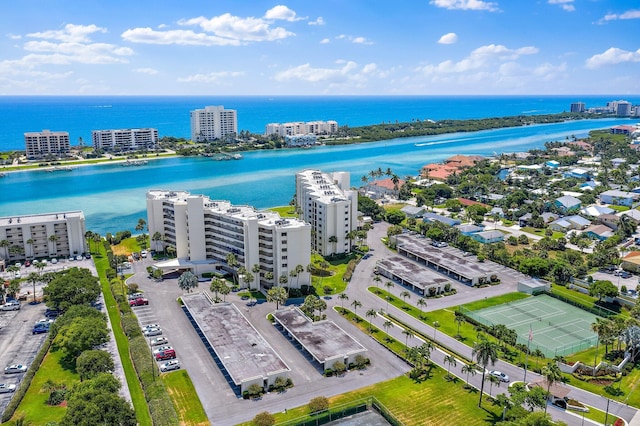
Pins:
<point x="79" y="115"/>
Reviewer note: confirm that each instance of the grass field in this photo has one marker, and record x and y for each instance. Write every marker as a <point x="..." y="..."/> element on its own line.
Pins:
<point x="285" y="211"/>
<point x="181" y="390"/>
<point x="34" y="406"/>
<point x="126" y="246"/>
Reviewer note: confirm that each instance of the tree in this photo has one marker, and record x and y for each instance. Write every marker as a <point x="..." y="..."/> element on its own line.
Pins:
<point x="395" y="217"/>
<point x="602" y="288"/>
<point x="217" y="286"/>
<point x="371" y="314"/>
<point x="377" y="280"/>
<point x="485" y="352"/>
<point x="552" y="374"/>
<point x="493" y="380"/>
<point x="156" y="238"/>
<point x="459" y="319"/>
<point x="343" y="297"/>
<point x="277" y="295"/>
<point x="470" y="369"/>
<point x="33" y="278"/>
<point x="356" y="304"/>
<point x="82" y="334"/>
<point x="53" y="238"/>
<point x="247" y="278"/>
<point x="264" y="419"/>
<point x="387" y="325"/>
<point x="187" y="281"/>
<point x="405" y="295"/>
<point x="422" y="303"/>
<point x="5" y="245"/>
<point x="408" y="334"/>
<point x="74" y="286"/>
<point x="436" y="326"/>
<point x="333" y="240"/>
<point x="93" y="362"/>
<point x="450" y="360"/>
<point x="96" y="407"/>
<point x="318" y="404"/>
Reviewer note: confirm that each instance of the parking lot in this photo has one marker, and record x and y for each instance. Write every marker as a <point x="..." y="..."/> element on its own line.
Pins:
<point x="220" y="401"/>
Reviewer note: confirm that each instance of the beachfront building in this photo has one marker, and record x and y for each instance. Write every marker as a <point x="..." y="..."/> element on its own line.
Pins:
<point x="46" y="143"/>
<point x="125" y="140"/>
<point x="204" y="232"/>
<point x="326" y="202"/>
<point x="42" y="235"/>
<point x="213" y="122"/>
<point x="302" y="128"/>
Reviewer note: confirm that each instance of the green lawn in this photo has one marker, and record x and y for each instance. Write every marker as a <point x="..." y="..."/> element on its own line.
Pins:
<point x="285" y="211"/>
<point x="337" y="267"/>
<point x="34" y="406"/>
<point x="541" y="232"/>
<point x="619" y="208"/>
<point x="126" y="246"/>
<point x="184" y="397"/>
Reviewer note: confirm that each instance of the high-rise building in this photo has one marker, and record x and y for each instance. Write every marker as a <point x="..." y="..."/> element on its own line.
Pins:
<point x="301" y="128"/>
<point x="327" y="203"/>
<point x="125" y="139"/>
<point x="204" y="232"/>
<point x="213" y="122"/>
<point x="42" y="235"/>
<point x="46" y="143"/>
<point x="578" y="107"/>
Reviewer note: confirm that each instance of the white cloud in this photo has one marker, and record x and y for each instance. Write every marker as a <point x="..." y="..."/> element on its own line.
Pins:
<point x="71" y="33"/>
<point x="466" y="5"/>
<point x="212" y="77"/>
<point x="14" y="36"/>
<point x="313" y="75"/>
<point x="325" y="41"/>
<point x="352" y="39"/>
<point x="449" y="38"/>
<point x="179" y="37"/>
<point x="629" y="14"/>
<point x="236" y="28"/>
<point x="612" y="56"/>
<point x="565" y="4"/>
<point x="283" y="13"/>
<point x="149" y="71"/>
<point x="318" y="21"/>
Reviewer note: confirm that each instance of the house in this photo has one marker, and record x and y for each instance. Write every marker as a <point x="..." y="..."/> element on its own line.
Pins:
<point x="495" y="212"/>
<point x="433" y="217"/>
<point x="382" y="187"/>
<point x="589" y="185"/>
<point x="596" y="211"/>
<point x="469" y="229"/>
<point x="581" y="145"/>
<point x="552" y="164"/>
<point x="631" y="262"/>
<point x="616" y="162"/>
<point x="549" y="217"/>
<point x="463" y="161"/>
<point x="610" y="220"/>
<point x="567" y="203"/>
<point x="437" y="171"/>
<point x="563" y="151"/>
<point x="487" y="237"/>
<point x="633" y="213"/>
<point x="622" y="130"/>
<point x="598" y="232"/>
<point x="568" y="223"/>
<point x="619" y="198"/>
<point x="578" y="174"/>
<point x="413" y="211"/>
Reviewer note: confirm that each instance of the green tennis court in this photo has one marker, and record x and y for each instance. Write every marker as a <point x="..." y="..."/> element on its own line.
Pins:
<point x="542" y="322"/>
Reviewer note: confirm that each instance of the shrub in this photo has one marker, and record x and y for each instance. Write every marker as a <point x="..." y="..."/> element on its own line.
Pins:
<point x="264" y="419"/>
<point x="318" y="404"/>
<point x="328" y="372"/>
<point x="339" y="367"/>
<point x="57" y="396"/>
<point x="255" y="391"/>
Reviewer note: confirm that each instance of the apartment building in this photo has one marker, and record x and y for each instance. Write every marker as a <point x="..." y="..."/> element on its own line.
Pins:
<point x="301" y="128"/>
<point x="39" y="145"/>
<point x="125" y="140"/>
<point x="42" y="235"/>
<point x="213" y="122"/>
<point x="326" y="202"/>
<point x="204" y="232"/>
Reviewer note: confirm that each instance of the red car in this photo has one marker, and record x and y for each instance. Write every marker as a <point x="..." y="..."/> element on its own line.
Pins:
<point x="167" y="354"/>
<point x="139" y="301"/>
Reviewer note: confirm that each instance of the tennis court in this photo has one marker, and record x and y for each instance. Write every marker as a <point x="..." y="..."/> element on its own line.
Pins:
<point x="542" y="322"/>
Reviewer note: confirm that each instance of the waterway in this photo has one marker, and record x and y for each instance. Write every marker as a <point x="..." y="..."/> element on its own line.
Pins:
<point x="113" y="197"/>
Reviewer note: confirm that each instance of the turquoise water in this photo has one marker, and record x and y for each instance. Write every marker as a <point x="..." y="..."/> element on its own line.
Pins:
<point x="113" y="197"/>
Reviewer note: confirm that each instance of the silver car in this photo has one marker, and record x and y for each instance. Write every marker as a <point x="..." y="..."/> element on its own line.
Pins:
<point x="174" y="364"/>
<point x="152" y="332"/>
<point x="159" y="341"/>
<point x="7" y="388"/>
<point x="15" y="368"/>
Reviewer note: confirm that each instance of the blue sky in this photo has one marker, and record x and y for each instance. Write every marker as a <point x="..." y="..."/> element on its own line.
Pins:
<point x="326" y="47"/>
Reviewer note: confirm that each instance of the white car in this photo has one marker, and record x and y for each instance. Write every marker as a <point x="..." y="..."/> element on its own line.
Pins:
<point x="79" y="257"/>
<point x="15" y="368"/>
<point x="54" y="260"/>
<point x="46" y="321"/>
<point x="174" y="364"/>
<point x="7" y="388"/>
<point x="148" y="326"/>
<point x="159" y="341"/>
<point x="152" y="332"/>
<point x="143" y="253"/>
<point x="161" y="349"/>
<point x="10" y="306"/>
<point x="500" y="375"/>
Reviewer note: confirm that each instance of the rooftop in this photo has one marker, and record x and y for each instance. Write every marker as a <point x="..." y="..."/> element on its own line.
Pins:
<point x="411" y="272"/>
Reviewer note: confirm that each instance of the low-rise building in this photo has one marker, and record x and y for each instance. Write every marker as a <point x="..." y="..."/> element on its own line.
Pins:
<point x="301" y="128"/>
<point x="123" y="140"/>
<point x="619" y="198"/>
<point x="434" y="217"/>
<point x="568" y="223"/>
<point x="598" y="232"/>
<point x="413" y="211"/>
<point x="567" y="203"/>
<point x="46" y="143"/>
<point x="488" y="237"/>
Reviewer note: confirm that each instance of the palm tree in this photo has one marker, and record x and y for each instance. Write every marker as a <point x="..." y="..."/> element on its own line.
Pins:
<point x="187" y="281"/>
<point x="30" y="241"/>
<point x="450" y="360"/>
<point x="436" y="326"/>
<point x="470" y="369"/>
<point x="387" y="325"/>
<point x="277" y="295"/>
<point x="389" y="286"/>
<point x="485" y="352"/>
<point x="493" y="380"/>
<point x="53" y="238"/>
<point x="333" y="240"/>
<point x="343" y="297"/>
<point x="377" y="280"/>
<point x="422" y="303"/>
<point x="216" y="287"/>
<point x="356" y="304"/>
<point x="408" y="335"/>
<point x="459" y="319"/>
<point x="405" y="295"/>
<point x="552" y="374"/>
<point x="33" y="278"/>
<point x="156" y="237"/>
<point x="371" y="314"/>
<point x="5" y="245"/>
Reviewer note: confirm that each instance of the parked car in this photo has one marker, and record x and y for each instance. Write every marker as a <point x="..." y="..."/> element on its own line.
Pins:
<point x="165" y="355"/>
<point x="140" y="301"/>
<point x="51" y="313"/>
<point x="12" y="305"/>
<point x="500" y="375"/>
<point x="87" y="256"/>
<point x="54" y="260"/>
<point x="143" y="253"/>
<point x="134" y="296"/>
<point x="40" y="328"/>
<point x="27" y="263"/>
<point x="161" y="349"/>
<point x="79" y="257"/>
<point x="152" y="332"/>
<point x="170" y="365"/>
<point x="159" y="341"/>
<point x="625" y="274"/>
<point x="8" y="388"/>
<point x="148" y="326"/>
<point x="15" y="368"/>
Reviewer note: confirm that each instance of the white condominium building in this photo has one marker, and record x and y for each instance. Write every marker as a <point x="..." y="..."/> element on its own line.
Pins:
<point x="301" y="128"/>
<point x="204" y="232"/>
<point x="213" y="122"/>
<point x="42" y="235"/>
<point x="41" y="144"/>
<point x="125" y="139"/>
<point x="327" y="203"/>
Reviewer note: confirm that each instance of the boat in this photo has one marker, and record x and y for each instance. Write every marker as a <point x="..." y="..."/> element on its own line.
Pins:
<point x="134" y="163"/>
<point x="222" y="156"/>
